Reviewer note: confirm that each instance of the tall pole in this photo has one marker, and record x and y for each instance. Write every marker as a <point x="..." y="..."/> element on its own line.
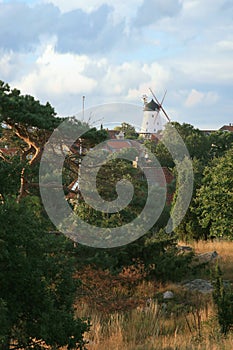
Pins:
<point x="83" y="106"/>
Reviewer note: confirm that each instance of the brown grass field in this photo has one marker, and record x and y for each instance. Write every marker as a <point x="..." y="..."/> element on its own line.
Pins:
<point x="141" y="323"/>
<point x="225" y="251"/>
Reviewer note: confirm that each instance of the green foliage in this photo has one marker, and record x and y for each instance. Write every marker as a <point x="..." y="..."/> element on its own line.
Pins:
<point x="149" y="251"/>
<point x="10" y="176"/>
<point x="220" y="142"/>
<point x="37" y="285"/>
<point x="129" y="130"/>
<point x="196" y="142"/>
<point x="94" y="137"/>
<point x="151" y="145"/>
<point x="184" y="189"/>
<point x="24" y="109"/>
<point x="107" y="178"/>
<point x="215" y="197"/>
<point x="157" y="251"/>
<point x="223" y="298"/>
<point x="163" y="258"/>
<point x="209" y="213"/>
<point x="164" y="156"/>
<point x="190" y="227"/>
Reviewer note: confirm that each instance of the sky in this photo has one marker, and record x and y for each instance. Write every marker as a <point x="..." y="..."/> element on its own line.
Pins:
<point x="114" y="51"/>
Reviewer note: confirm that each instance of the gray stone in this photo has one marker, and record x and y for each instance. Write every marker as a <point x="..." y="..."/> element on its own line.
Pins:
<point x="184" y="248"/>
<point x="168" y="295"/>
<point x="199" y="285"/>
<point x="205" y="258"/>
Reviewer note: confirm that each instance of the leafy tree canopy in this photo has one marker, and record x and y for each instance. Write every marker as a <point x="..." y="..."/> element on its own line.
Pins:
<point x="215" y="197"/>
<point x="128" y="129"/>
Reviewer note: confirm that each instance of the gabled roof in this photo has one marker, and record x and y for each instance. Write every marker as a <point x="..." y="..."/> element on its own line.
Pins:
<point x="151" y="106"/>
<point x="227" y="128"/>
<point x="118" y="144"/>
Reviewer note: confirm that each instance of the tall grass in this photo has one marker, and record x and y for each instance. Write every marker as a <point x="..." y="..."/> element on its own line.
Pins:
<point x="225" y="252"/>
<point x="150" y="328"/>
<point x="189" y="322"/>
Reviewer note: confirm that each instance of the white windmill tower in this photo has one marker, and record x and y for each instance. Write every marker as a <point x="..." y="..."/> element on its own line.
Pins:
<point x="153" y="121"/>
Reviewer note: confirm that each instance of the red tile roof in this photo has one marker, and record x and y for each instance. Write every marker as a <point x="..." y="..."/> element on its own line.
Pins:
<point x="9" y="151"/>
<point x="118" y="144"/>
<point x="227" y="128"/>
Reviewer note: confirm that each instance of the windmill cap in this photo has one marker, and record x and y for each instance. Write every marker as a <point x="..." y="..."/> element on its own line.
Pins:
<point x="151" y="106"/>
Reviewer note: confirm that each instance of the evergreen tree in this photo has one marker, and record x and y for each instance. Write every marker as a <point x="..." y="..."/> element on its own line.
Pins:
<point x="37" y="286"/>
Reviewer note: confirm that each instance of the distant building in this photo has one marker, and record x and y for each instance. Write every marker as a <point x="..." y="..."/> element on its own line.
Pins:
<point x="228" y="128"/>
<point x="208" y="132"/>
<point x="9" y="151"/>
<point x="116" y="145"/>
<point x="112" y="133"/>
<point x="152" y="122"/>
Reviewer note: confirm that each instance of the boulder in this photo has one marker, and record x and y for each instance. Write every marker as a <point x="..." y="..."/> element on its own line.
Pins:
<point x="199" y="285"/>
<point x="205" y="258"/>
<point x="168" y="295"/>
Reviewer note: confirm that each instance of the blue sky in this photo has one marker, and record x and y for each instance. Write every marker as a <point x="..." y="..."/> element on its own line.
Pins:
<point x="59" y="50"/>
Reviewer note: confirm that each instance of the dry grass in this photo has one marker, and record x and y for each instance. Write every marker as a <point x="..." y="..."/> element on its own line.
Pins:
<point x="152" y="327"/>
<point x="225" y="252"/>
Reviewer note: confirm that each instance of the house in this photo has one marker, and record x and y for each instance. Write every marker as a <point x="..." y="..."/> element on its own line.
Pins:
<point x="9" y="151"/>
<point x="227" y="128"/>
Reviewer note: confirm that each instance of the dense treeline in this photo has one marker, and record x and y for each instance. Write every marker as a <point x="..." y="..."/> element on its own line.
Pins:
<point x="210" y="212"/>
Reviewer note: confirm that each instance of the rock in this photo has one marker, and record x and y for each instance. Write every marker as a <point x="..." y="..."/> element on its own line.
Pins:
<point x="184" y="248"/>
<point x="199" y="285"/>
<point x="205" y="258"/>
<point x="168" y="295"/>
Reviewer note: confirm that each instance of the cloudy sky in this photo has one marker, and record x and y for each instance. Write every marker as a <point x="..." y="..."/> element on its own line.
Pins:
<point x="113" y="51"/>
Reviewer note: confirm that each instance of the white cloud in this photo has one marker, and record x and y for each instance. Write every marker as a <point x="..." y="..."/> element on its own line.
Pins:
<point x="151" y="11"/>
<point x="156" y="77"/>
<point x="121" y="7"/>
<point x="199" y="98"/>
<point x="225" y="45"/>
<point x="62" y="78"/>
<point x="56" y="75"/>
<point x="195" y="97"/>
<point x="211" y="98"/>
<point x="76" y="31"/>
<point x="115" y="51"/>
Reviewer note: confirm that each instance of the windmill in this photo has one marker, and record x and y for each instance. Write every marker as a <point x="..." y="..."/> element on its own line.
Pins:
<point x="152" y="122"/>
<point x="160" y="104"/>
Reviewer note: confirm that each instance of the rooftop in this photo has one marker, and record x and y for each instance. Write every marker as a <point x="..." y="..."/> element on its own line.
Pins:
<point x="151" y="106"/>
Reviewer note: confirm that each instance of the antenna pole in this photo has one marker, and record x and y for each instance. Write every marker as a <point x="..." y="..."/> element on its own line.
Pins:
<point x="83" y="106"/>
